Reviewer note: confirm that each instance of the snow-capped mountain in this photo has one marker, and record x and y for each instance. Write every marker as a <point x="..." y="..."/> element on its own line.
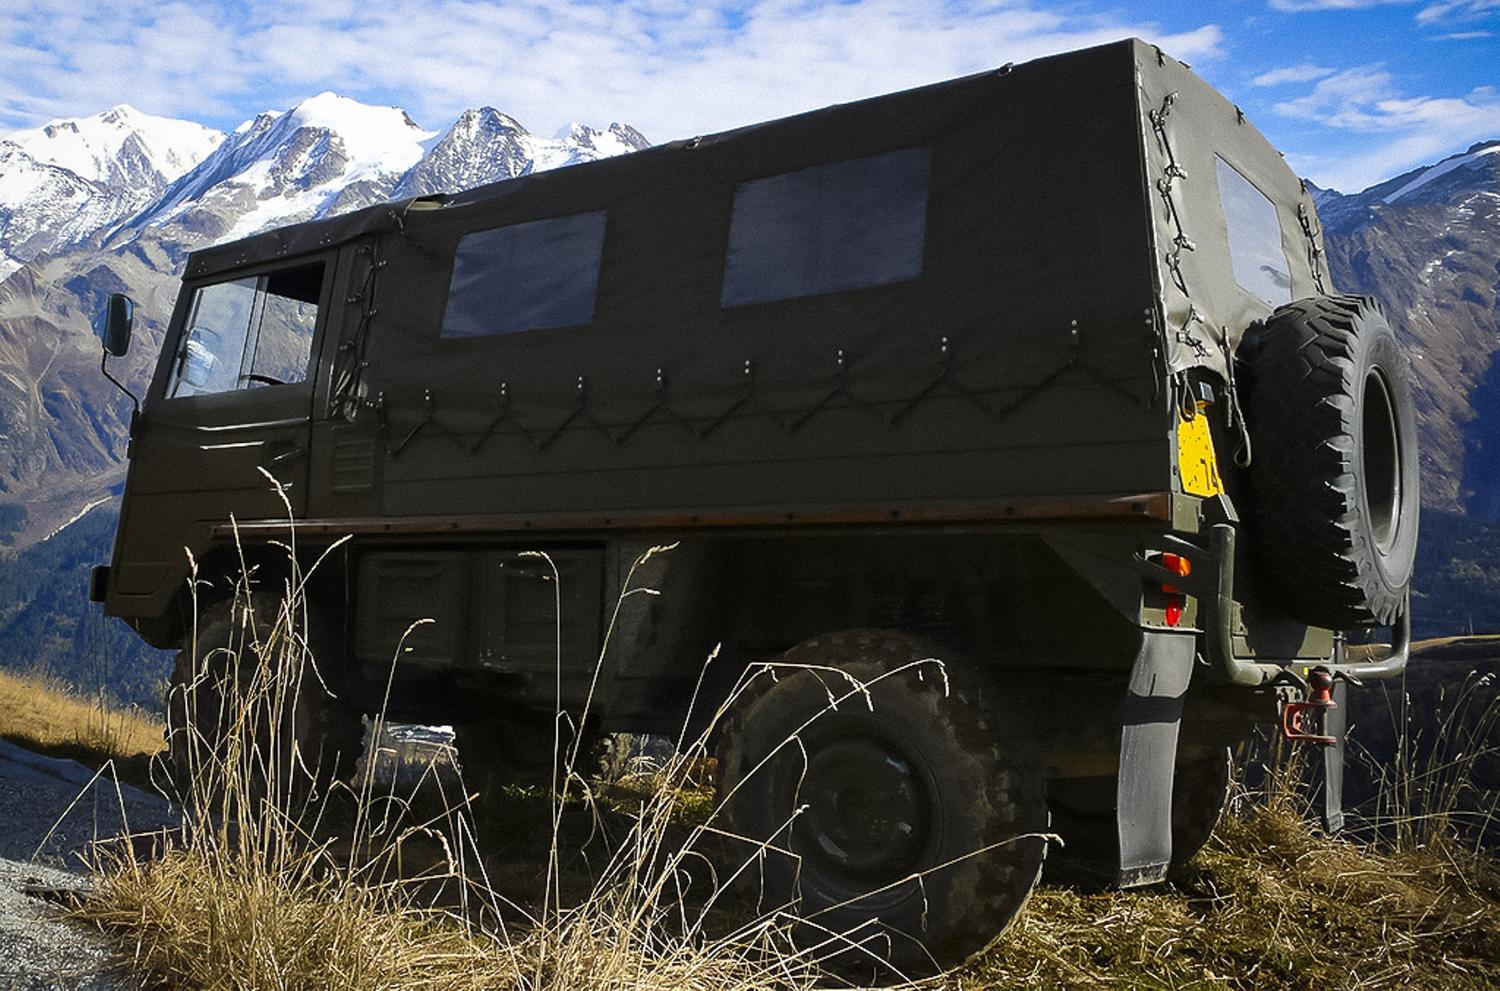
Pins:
<point x="486" y="145"/>
<point x="120" y="146"/>
<point x="1425" y="184"/>
<point x="330" y="154"/>
<point x="64" y="182"/>
<point x="482" y="145"/>
<point x="280" y="168"/>
<point x="113" y="203"/>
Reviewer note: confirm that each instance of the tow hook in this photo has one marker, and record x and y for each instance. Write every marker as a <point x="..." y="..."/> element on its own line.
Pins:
<point x="1315" y="707"/>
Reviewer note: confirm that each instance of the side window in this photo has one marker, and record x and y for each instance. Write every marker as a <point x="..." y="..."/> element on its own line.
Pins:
<point x="847" y="225"/>
<point x="249" y="333"/>
<point x="1260" y="265"/>
<point x="525" y="277"/>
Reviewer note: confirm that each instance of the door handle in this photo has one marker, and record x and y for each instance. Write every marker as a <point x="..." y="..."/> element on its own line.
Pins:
<point x="279" y="453"/>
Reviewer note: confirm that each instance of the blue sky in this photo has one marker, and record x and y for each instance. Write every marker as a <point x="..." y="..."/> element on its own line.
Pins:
<point x="1353" y="91"/>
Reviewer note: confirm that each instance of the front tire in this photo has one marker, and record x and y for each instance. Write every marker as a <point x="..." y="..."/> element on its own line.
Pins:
<point x="903" y="803"/>
<point x="248" y="715"/>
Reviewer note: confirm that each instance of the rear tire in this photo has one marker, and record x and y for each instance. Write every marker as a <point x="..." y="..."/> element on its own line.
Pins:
<point x="1083" y="813"/>
<point x="905" y="777"/>
<point x="1333" y="485"/>
<point x="1200" y="797"/>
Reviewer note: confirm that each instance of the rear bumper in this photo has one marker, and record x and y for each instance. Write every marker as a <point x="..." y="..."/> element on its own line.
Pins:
<point x="1216" y="603"/>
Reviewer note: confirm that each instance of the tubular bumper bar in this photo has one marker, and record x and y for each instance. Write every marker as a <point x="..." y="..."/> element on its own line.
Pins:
<point x="1216" y="606"/>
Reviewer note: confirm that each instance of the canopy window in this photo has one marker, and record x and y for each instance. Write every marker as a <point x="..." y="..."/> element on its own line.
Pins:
<point x="1255" y="251"/>
<point x="531" y="276"/>
<point x="847" y="225"/>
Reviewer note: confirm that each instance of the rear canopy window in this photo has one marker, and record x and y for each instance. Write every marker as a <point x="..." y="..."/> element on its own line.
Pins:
<point x="846" y="225"/>
<point x="525" y="277"/>
<point x="1260" y="265"/>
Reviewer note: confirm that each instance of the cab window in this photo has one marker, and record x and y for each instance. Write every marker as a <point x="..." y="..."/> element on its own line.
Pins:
<point x="249" y="333"/>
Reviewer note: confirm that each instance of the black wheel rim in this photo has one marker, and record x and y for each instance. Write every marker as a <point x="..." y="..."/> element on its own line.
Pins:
<point x="868" y="812"/>
<point x="1380" y="454"/>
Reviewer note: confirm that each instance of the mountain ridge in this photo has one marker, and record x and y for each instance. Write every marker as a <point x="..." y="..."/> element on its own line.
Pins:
<point x="1426" y="244"/>
<point x="63" y="428"/>
<point x="1422" y="242"/>
<point x="66" y="181"/>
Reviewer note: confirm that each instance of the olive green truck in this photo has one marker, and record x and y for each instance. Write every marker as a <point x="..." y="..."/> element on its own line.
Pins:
<point x="1023" y="399"/>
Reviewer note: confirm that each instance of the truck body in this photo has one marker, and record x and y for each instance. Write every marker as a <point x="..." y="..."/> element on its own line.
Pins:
<point x="958" y="362"/>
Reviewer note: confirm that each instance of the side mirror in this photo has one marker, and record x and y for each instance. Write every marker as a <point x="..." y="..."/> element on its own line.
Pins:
<point x="117" y="318"/>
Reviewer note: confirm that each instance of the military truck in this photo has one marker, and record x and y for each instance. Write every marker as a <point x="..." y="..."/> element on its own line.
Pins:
<point x="1023" y="402"/>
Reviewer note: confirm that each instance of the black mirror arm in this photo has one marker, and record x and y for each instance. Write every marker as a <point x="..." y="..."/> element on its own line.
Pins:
<point x="135" y="411"/>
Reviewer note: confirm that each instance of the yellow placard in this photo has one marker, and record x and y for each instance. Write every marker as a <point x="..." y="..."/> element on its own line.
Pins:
<point x="1195" y="457"/>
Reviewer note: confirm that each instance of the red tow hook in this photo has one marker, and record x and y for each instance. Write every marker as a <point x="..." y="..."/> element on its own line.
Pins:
<point x="1320" y="700"/>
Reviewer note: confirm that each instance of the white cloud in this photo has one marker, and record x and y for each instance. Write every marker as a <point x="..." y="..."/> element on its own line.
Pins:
<point x="1407" y="130"/>
<point x="1456" y="10"/>
<point x="671" y="67"/>
<point x="1461" y="36"/>
<point x="1434" y="12"/>
<point x="1344" y="100"/>
<point x="1301" y="6"/>
<point x="1304" y="73"/>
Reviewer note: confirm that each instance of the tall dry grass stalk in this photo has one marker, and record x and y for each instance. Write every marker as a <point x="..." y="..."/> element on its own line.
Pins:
<point x="278" y="881"/>
<point x="1441" y="789"/>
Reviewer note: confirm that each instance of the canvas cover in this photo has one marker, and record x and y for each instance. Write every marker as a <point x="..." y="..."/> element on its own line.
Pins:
<point x="1070" y="257"/>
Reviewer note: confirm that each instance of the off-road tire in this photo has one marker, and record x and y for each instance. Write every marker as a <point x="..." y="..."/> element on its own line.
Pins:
<point x="976" y="789"/>
<point x="327" y="734"/>
<point x="1200" y="797"/>
<point x="1084" y="815"/>
<point x="1333" y="483"/>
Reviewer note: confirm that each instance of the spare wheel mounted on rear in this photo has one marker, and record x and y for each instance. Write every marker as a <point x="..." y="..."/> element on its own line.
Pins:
<point x="1333" y="484"/>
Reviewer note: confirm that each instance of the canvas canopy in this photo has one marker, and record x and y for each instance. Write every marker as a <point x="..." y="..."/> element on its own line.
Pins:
<point x="1012" y="268"/>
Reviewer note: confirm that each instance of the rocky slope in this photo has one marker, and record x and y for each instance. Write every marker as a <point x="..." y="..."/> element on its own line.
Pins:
<point x="1427" y="245"/>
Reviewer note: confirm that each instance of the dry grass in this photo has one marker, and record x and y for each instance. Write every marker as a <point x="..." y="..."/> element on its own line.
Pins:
<point x="1270" y="905"/>
<point x="1435" y="765"/>
<point x="49" y="718"/>
<point x="268" y="886"/>
<point x="197" y="921"/>
<point x="275" y="892"/>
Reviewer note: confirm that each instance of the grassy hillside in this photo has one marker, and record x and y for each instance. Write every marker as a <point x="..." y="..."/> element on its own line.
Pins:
<point x="1457" y="589"/>
<point x="48" y="627"/>
<point x="50" y="718"/>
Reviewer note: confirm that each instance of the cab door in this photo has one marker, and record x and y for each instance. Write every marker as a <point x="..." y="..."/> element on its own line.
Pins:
<point x="228" y="420"/>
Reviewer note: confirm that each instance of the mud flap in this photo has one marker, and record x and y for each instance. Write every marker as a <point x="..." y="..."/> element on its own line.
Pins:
<point x="1148" y="755"/>
<point x="1335" y="723"/>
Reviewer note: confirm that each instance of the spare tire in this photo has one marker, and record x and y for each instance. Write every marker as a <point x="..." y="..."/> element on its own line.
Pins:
<point x="1333" y="490"/>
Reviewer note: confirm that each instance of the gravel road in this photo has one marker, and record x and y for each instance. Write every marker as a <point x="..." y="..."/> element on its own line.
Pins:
<point x="49" y="814"/>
